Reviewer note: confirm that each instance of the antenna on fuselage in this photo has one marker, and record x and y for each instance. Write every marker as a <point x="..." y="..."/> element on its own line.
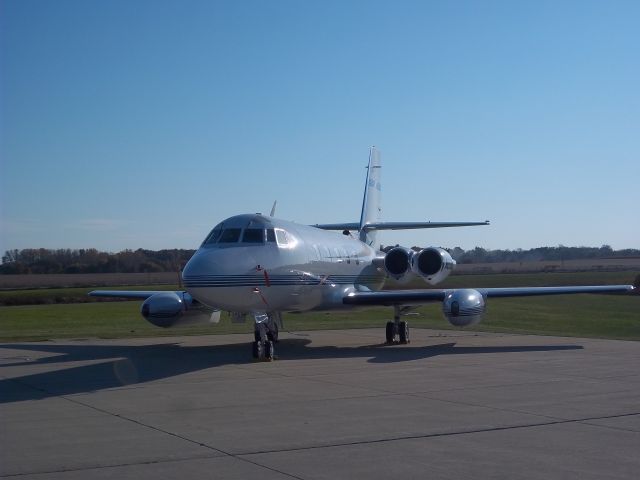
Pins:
<point x="273" y="209"/>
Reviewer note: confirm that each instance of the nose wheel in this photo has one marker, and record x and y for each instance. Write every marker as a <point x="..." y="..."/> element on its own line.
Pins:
<point x="263" y="347"/>
<point x="258" y="350"/>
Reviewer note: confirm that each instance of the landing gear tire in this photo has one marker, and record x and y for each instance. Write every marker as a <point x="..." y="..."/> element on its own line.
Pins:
<point x="260" y="333"/>
<point x="269" y="351"/>
<point x="272" y="334"/>
<point x="403" y="332"/>
<point x="391" y="332"/>
<point x="258" y="350"/>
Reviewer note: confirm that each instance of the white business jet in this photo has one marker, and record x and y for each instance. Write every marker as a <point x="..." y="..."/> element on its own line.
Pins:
<point x="261" y="266"/>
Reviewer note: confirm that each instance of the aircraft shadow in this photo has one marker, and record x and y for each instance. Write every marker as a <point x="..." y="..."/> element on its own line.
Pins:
<point x="135" y="364"/>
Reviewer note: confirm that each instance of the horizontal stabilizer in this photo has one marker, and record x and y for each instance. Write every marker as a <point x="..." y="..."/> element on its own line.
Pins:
<point x="338" y="226"/>
<point x="397" y="225"/>
<point x="417" y="225"/>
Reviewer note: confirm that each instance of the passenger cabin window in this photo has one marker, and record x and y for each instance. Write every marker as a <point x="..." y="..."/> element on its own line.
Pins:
<point x="281" y="237"/>
<point x="230" y="235"/>
<point x="253" y="235"/>
<point x="271" y="235"/>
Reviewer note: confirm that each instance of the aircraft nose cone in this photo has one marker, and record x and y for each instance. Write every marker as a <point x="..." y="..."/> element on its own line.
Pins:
<point x="209" y="266"/>
<point x="201" y="263"/>
<point x="223" y="279"/>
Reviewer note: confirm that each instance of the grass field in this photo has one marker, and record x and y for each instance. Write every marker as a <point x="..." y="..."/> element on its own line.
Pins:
<point x="41" y="296"/>
<point x="602" y="316"/>
<point x="66" y="280"/>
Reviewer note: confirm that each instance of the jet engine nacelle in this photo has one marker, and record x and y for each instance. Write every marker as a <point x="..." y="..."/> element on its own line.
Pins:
<point x="167" y="309"/>
<point x="464" y="307"/>
<point x="397" y="262"/>
<point x="433" y="264"/>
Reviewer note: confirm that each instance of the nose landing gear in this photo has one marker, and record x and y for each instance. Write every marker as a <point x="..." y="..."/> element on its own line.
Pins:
<point x="265" y="337"/>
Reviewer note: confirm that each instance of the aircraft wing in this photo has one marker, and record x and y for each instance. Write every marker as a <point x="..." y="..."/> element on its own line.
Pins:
<point x="534" y="291"/>
<point x="418" y="297"/>
<point x="140" y="294"/>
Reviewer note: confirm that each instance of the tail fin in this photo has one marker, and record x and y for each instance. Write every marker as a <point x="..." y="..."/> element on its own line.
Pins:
<point x="370" y="217"/>
<point x="371" y="209"/>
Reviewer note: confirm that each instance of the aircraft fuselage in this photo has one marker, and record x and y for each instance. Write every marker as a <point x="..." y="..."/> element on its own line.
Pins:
<point x="252" y="263"/>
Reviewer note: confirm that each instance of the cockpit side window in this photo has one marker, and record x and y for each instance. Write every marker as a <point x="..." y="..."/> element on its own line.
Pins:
<point x="281" y="237"/>
<point x="271" y="235"/>
<point x="230" y="235"/>
<point x="253" y="235"/>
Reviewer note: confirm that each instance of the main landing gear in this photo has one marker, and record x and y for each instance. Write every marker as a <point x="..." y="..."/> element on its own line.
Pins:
<point x="397" y="329"/>
<point x="265" y="338"/>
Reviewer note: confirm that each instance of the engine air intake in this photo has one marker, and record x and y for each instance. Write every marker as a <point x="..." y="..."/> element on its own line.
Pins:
<point x="429" y="262"/>
<point x="397" y="262"/>
<point x="432" y="264"/>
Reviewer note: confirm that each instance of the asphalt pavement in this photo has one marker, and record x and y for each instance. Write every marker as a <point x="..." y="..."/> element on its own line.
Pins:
<point x="336" y="404"/>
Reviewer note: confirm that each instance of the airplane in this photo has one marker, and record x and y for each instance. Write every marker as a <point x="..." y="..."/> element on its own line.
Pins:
<point x="259" y="266"/>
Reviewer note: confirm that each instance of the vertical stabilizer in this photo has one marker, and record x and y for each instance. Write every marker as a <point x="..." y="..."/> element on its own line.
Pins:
<point x="371" y="208"/>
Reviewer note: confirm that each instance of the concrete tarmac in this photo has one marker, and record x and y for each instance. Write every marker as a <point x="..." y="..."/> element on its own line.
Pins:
<point x="337" y="404"/>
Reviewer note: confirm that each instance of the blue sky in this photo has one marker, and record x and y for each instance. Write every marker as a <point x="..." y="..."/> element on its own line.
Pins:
<point x="141" y="124"/>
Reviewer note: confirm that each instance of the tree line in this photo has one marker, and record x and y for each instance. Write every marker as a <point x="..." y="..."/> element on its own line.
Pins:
<point x="559" y="253"/>
<point x="42" y="260"/>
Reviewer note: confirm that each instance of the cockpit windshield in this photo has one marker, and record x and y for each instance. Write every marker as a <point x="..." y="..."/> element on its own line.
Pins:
<point x="213" y="236"/>
<point x="243" y="236"/>
<point x="253" y="235"/>
<point x="230" y="235"/>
